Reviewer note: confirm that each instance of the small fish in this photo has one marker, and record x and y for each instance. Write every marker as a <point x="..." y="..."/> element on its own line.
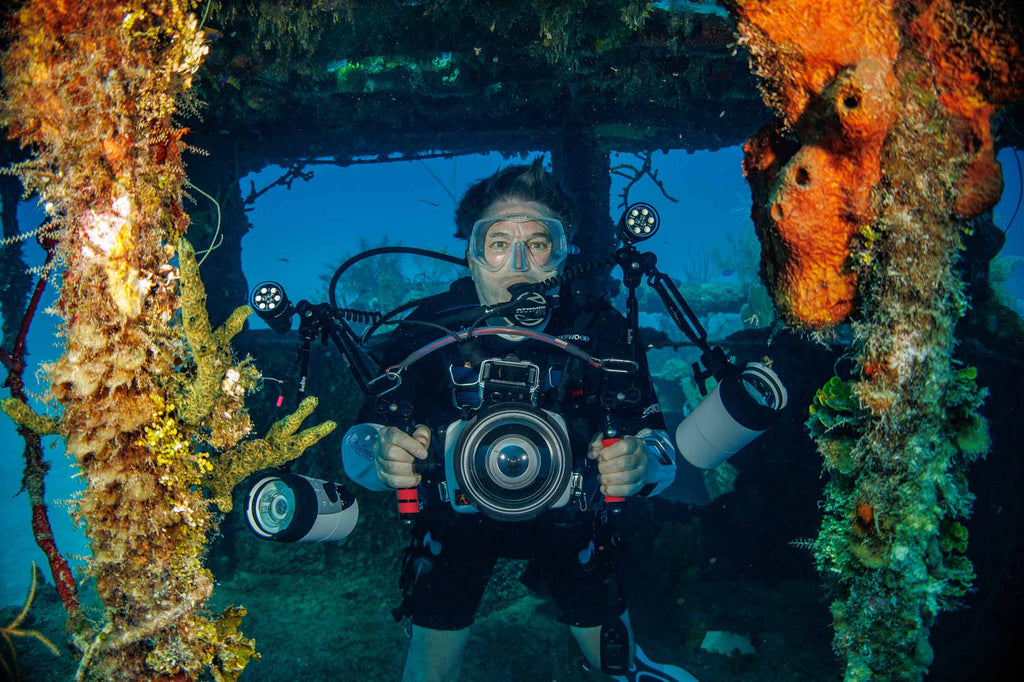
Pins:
<point x="726" y="272"/>
<point x="284" y="260"/>
<point x="429" y="203"/>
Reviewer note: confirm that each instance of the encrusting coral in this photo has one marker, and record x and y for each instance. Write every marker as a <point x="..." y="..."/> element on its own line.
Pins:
<point x="862" y="193"/>
<point x="23" y="415"/>
<point x="214" y="395"/>
<point x="281" y="445"/>
<point x="152" y="396"/>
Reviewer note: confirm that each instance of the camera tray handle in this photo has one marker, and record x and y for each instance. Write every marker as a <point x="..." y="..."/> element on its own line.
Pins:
<point x="398" y="413"/>
<point x="610" y="399"/>
<point x="613" y="502"/>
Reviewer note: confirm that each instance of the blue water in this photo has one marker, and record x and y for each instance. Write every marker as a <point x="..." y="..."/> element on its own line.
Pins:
<point x="302" y="234"/>
<point x="299" y="235"/>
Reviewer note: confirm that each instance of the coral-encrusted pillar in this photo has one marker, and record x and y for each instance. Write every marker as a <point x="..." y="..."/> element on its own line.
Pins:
<point x="861" y="193"/>
<point x="90" y="88"/>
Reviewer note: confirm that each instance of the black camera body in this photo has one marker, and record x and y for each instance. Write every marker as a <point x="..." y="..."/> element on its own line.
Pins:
<point x="511" y="460"/>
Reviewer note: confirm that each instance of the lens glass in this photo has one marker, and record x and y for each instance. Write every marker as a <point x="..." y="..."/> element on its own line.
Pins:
<point x="512" y="461"/>
<point x="760" y="390"/>
<point x="275" y="506"/>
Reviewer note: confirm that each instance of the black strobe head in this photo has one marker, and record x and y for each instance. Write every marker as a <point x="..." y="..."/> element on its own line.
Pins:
<point x="272" y="306"/>
<point x="638" y="222"/>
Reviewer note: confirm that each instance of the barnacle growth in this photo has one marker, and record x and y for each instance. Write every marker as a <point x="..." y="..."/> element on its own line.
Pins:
<point x="882" y="151"/>
<point x="152" y="396"/>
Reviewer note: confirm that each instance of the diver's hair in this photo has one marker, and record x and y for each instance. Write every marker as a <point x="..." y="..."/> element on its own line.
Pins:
<point x="523" y="182"/>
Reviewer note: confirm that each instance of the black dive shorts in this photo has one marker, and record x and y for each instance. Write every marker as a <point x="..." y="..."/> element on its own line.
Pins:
<point x="450" y="564"/>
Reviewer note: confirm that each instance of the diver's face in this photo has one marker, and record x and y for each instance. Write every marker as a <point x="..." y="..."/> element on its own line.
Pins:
<point x="516" y="248"/>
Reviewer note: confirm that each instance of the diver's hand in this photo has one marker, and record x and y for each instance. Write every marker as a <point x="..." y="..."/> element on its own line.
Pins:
<point x="622" y="465"/>
<point x="396" y="451"/>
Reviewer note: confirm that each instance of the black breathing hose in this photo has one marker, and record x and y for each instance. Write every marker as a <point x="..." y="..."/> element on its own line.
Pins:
<point x="386" y="249"/>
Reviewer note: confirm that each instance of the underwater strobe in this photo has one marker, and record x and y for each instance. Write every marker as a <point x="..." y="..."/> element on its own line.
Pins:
<point x="291" y="508"/>
<point x="744" y="405"/>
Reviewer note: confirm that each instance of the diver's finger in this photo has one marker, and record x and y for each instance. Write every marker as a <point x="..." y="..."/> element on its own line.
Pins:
<point x="403" y="440"/>
<point x="397" y="467"/>
<point x="422" y="434"/>
<point x="384" y="439"/>
<point x="621" y="490"/>
<point x="621" y="483"/>
<point x="629" y="445"/>
<point x="393" y="481"/>
<point x="627" y="462"/>
<point x="396" y="453"/>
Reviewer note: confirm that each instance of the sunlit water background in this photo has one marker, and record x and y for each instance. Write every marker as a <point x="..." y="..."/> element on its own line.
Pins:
<point x="300" y="234"/>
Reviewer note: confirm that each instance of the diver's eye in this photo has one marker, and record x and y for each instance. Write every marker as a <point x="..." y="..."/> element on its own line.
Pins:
<point x="498" y="245"/>
<point x="540" y="246"/>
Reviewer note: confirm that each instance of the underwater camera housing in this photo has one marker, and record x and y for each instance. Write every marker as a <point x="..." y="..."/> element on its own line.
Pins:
<point x="511" y="461"/>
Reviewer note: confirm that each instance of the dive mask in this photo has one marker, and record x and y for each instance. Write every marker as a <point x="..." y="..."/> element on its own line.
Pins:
<point x="522" y="241"/>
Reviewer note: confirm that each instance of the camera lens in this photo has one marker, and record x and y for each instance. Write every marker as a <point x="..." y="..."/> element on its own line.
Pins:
<point x="512" y="461"/>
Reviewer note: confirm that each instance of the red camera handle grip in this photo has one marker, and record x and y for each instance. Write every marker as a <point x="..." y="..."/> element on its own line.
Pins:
<point x="614" y="503"/>
<point x="409" y="498"/>
<point x="408" y="503"/>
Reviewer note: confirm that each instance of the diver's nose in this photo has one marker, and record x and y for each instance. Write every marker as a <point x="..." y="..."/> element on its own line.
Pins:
<point x="520" y="261"/>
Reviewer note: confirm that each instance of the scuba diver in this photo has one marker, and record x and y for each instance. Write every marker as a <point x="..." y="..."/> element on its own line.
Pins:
<point x="518" y="224"/>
